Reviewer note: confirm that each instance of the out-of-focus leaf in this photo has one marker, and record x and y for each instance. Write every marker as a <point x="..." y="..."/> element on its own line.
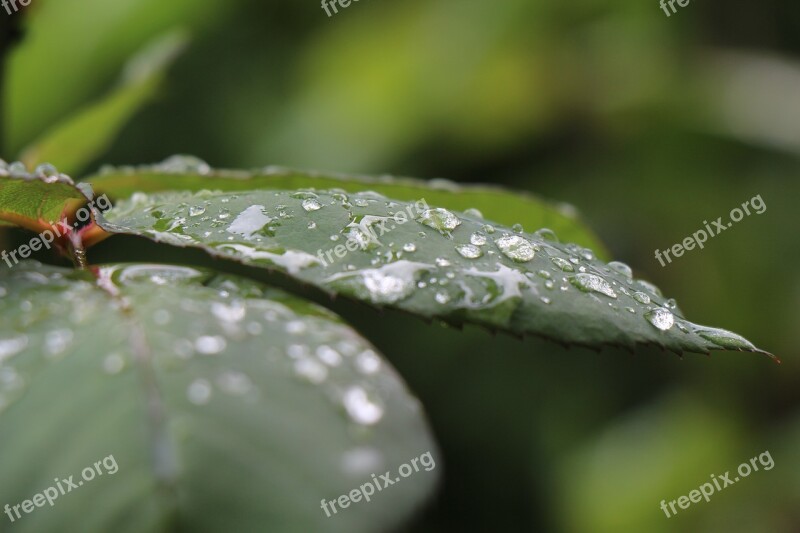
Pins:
<point x="73" y="50"/>
<point x="83" y="136"/>
<point x="38" y="200"/>
<point x="507" y="207"/>
<point x="225" y="405"/>
<point x="617" y="481"/>
<point x="429" y="261"/>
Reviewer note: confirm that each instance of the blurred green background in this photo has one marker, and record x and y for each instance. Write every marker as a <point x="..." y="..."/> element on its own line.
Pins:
<point x="648" y="124"/>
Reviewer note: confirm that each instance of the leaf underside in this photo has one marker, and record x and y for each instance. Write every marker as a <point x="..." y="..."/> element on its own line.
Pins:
<point x="227" y="406"/>
<point x="430" y="262"/>
<point x="37" y="200"/>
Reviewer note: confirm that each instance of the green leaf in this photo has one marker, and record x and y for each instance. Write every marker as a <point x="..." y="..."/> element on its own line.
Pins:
<point x="38" y="200"/>
<point x="226" y="406"/>
<point x="428" y="261"/>
<point x="187" y="173"/>
<point x="86" y="134"/>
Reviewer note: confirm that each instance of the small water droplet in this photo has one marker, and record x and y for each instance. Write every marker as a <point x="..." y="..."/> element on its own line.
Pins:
<point x="199" y="392"/>
<point x="546" y="234"/>
<point x="622" y="268"/>
<point x="442" y="262"/>
<point x="114" y="363"/>
<point x="368" y="362"/>
<point x="361" y="408"/>
<point x="311" y="370"/>
<point x="469" y="251"/>
<point x="210" y="345"/>
<point x="474" y="213"/>
<point x="517" y="228"/>
<point x="410" y="247"/>
<point x="563" y="264"/>
<point x="477" y="239"/>
<point x="197" y="210"/>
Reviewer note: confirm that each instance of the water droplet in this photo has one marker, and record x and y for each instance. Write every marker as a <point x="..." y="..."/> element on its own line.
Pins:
<point x="545" y="299"/>
<point x="12" y="346"/>
<point x="310" y="204"/>
<point x="442" y="297"/>
<point x="361" y="408"/>
<point x="179" y="164"/>
<point x="474" y="213"/>
<point x="439" y="219"/>
<point x="410" y="247"/>
<point x="368" y="362"/>
<point x="630" y="310"/>
<point x="563" y="264"/>
<point x="661" y="318"/>
<point x="641" y="297"/>
<point x="442" y="262"/>
<point x="477" y="239"/>
<point x="671" y="304"/>
<point x="312" y="225"/>
<point x="544" y="274"/>
<point x="516" y="248"/>
<point x="547" y="234"/>
<point x="234" y="383"/>
<point x="517" y="228"/>
<point x="622" y="268"/>
<point x="199" y="392"/>
<point x="210" y="345"/>
<point x="114" y="363"/>
<point x="56" y="342"/>
<point x="197" y="210"/>
<point x="649" y="287"/>
<point x="469" y="251"/>
<point x="233" y="312"/>
<point x="311" y="370"/>
<point x="328" y="355"/>
<point x="591" y="282"/>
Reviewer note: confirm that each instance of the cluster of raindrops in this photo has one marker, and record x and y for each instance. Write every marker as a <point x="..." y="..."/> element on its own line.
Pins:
<point x="477" y="264"/>
<point x="44" y="172"/>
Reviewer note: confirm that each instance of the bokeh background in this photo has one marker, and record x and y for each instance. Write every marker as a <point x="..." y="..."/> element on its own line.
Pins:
<point x="647" y="124"/>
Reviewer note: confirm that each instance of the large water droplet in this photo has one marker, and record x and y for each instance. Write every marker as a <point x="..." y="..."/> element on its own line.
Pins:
<point x="641" y="297"/>
<point x="439" y="219"/>
<point x="660" y="318"/>
<point x="516" y="248"/>
<point x="311" y="204"/>
<point x="592" y="283"/>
